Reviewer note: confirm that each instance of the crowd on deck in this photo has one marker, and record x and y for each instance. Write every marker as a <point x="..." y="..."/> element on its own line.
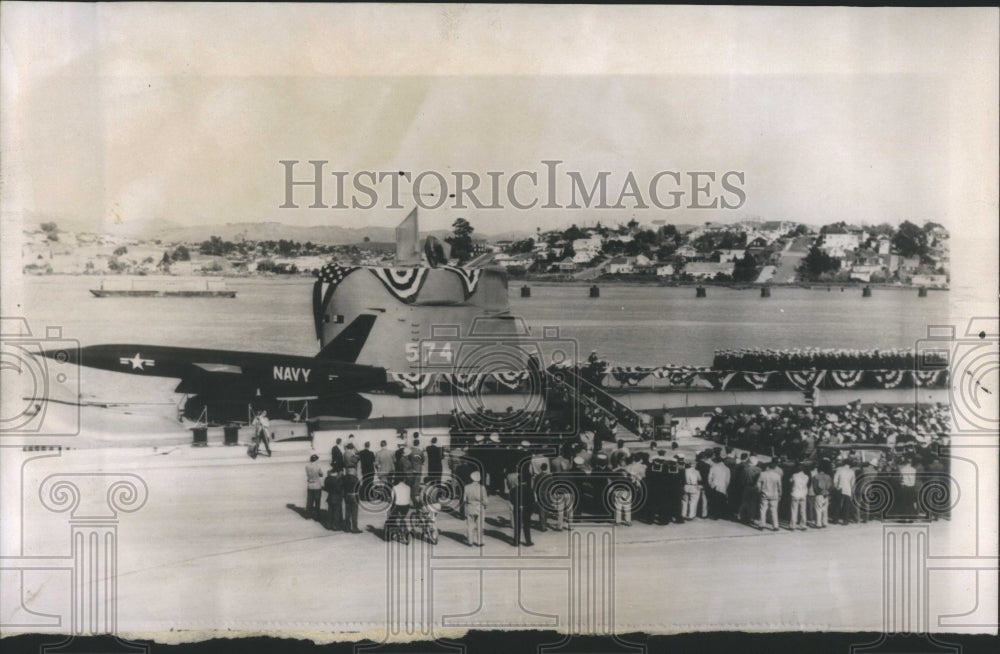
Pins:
<point x="766" y="360"/>
<point x="818" y="460"/>
<point x="797" y="431"/>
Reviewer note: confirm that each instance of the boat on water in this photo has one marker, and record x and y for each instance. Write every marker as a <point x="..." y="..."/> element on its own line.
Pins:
<point x="161" y="288"/>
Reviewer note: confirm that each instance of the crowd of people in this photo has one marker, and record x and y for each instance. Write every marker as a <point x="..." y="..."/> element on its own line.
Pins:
<point x="574" y="467"/>
<point x="796" y="431"/>
<point x="544" y="487"/>
<point x="766" y="359"/>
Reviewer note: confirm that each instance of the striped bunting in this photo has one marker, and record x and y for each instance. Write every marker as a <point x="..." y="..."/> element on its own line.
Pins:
<point x="470" y="278"/>
<point x="402" y="283"/>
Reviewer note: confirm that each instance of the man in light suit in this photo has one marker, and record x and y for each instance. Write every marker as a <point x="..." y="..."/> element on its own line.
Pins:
<point x="474" y="501"/>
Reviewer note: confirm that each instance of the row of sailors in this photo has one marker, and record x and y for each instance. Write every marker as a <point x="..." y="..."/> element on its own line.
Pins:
<point x="766" y="359"/>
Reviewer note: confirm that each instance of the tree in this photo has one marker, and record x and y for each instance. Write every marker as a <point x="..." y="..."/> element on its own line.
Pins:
<point x="818" y="262"/>
<point x="746" y="269"/>
<point x="573" y="233"/>
<point x="50" y="228"/>
<point x="181" y="254"/>
<point x="612" y="246"/>
<point x="522" y="247"/>
<point x="910" y="240"/>
<point x="669" y="233"/>
<point x="461" y="240"/>
<point x="119" y="251"/>
<point x="664" y="252"/>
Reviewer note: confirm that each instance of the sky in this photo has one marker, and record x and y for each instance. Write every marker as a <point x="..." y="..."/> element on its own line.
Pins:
<point x="139" y="113"/>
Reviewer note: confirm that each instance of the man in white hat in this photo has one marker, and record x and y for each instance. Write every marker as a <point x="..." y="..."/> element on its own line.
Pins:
<point x="474" y="501"/>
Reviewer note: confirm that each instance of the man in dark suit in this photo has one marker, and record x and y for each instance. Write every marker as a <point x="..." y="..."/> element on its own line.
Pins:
<point x="350" y="486"/>
<point x="434" y="457"/>
<point x="333" y="485"/>
<point x="367" y="460"/>
<point x="522" y="503"/>
<point x="337" y="456"/>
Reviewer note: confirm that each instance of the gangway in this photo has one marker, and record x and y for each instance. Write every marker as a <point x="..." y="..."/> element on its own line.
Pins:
<point x="584" y="392"/>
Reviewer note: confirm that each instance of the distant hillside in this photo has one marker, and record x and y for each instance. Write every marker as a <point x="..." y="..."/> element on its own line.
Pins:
<point x="274" y="231"/>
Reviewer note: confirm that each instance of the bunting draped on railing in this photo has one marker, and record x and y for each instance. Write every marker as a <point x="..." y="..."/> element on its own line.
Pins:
<point x="889" y="378"/>
<point x="720" y="380"/>
<point x="413" y="381"/>
<point x="805" y="379"/>
<point x="470" y="278"/>
<point x="512" y="378"/>
<point x="463" y="383"/>
<point x="926" y="377"/>
<point x="402" y="283"/>
<point x="631" y="375"/>
<point x="757" y="379"/>
<point x="846" y="378"/>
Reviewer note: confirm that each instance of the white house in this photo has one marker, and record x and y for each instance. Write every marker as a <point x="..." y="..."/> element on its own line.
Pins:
<point x="836" y="245"/>
<point x="939" y="281"/>
<point x="591" y="244"/>
<point x="665" y="271"/>
<point x="620" y="266"/>
<point x="583" y="257"/>
<point x="566" y="265"/>
<point x="700" y="270"/>
<point x="861" y="276"/>
<point x="726" y="256"/>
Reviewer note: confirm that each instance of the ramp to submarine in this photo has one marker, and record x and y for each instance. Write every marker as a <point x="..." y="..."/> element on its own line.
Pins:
<point x="584" y="393"/>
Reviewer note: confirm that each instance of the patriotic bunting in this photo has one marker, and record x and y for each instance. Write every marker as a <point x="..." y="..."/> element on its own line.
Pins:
<point x="757" y="379"/>
<point x="804" y="379"/>
<point x="512" y="378"/>
<point x="412" y="381"/>
<point x="889" y="378"/>
<point x="464" y="383"/>
<point x="926" y="377"/>
<point x="402" y="283"/>
<point x="327" y="281"/>
<point x="470" y="278"/>
<point x="846" y="378"/>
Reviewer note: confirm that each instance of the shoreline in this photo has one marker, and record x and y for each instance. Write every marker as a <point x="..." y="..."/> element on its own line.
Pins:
<point x="521" y="281"/>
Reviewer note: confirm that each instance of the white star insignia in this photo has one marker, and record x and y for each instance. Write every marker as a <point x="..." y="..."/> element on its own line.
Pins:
<point x="138" y="363"/>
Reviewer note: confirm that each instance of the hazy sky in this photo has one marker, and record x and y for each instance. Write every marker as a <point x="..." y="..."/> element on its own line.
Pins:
<point x="179" y="112"/>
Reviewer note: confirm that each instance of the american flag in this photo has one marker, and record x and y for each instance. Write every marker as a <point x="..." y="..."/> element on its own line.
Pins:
<point x="327" y="280"/>
<point x="334" y="273"/>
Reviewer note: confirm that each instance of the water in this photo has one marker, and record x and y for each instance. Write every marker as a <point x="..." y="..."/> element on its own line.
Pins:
<point x="645" y="325"/>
